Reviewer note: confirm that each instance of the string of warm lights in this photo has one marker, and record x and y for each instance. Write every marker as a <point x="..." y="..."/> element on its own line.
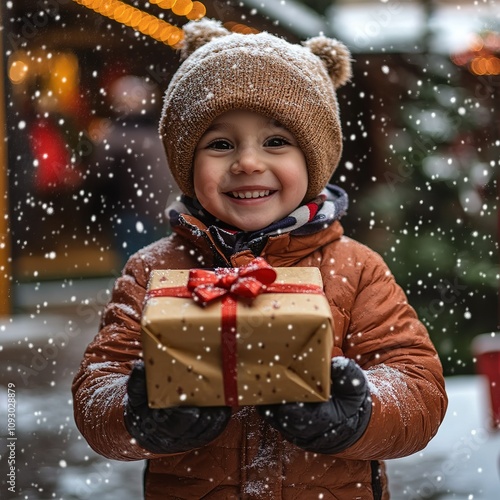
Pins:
<point x="243" y="29"/>
<point x="483" y="55"/>
<point x="146" y="23"/>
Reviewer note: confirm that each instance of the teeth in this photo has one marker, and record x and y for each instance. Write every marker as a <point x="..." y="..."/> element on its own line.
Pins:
<point x="250" y="194"/>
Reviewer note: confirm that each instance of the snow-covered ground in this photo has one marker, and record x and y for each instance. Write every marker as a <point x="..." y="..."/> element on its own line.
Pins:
<point x="53" y="461"/>
<point x="463" y="460"/>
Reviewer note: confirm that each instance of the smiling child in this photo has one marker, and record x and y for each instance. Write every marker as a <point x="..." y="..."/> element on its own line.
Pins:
<point x="252" y="133"/>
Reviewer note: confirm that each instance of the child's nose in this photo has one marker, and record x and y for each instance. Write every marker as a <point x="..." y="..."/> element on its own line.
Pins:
<point x="247" y="161"/>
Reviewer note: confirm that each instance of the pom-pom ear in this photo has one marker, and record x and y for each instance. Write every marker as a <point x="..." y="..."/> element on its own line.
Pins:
<point x="335" y="55"/>
<point x="198" y="33"/>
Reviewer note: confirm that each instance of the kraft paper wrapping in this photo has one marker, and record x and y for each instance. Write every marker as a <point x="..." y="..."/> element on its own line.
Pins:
<point x="284" y="343"/>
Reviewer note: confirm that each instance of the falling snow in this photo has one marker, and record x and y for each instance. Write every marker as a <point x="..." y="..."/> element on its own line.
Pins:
<point x="420" y="164"/>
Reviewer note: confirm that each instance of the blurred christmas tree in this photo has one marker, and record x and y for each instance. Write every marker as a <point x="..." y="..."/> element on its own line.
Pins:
<point x="433" y="210"/>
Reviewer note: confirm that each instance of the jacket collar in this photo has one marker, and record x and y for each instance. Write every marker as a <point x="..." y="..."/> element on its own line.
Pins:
<point x="282" y="250"/>
<point x="230" y="247"/>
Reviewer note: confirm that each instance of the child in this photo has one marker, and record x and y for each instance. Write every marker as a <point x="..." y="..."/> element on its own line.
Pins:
<point x="252" y="133"/>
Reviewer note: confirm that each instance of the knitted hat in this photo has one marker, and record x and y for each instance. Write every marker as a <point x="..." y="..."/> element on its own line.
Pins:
<point x="293" y="84"/>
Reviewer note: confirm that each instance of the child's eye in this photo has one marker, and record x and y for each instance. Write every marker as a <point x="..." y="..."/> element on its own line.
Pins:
<point x="276" y="142"/>
<point x="220" y="144"/>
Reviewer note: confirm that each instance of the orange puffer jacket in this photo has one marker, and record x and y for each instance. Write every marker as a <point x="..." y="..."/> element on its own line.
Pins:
<point x="373" y="324"/>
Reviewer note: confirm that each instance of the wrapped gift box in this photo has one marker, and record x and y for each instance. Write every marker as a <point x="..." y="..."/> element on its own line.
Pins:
<point x="235" y="349"/>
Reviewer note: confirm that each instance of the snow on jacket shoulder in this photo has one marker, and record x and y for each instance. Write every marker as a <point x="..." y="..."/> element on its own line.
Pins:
<point x="373" y="324"/>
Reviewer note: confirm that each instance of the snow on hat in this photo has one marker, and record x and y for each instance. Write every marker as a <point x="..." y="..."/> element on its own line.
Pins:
<point x="293" y="84"/>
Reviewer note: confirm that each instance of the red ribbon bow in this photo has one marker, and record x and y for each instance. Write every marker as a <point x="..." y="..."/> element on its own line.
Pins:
<point x="247" y="281"/>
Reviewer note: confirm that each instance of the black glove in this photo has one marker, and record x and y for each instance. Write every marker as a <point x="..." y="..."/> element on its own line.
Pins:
<point x="169" y="430"/>
<point x="334" y="425"/>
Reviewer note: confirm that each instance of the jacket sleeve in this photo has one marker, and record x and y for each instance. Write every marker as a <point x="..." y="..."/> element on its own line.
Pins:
<point x="405" y="375"/>
<point x="100" y="385"/>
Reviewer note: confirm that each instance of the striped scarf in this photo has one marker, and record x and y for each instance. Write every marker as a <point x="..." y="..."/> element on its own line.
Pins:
<point x="309" y="218"/>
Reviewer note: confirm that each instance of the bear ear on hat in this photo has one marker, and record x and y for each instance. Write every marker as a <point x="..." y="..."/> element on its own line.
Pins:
<point x="335" y="56"/>
<point x="198" y="33"/>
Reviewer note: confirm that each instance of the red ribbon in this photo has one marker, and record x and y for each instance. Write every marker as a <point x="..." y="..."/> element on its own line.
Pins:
<point x="228" y="284"/>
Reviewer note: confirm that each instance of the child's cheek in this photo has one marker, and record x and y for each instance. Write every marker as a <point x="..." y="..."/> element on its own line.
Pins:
<point x="211" y="185"/>
<point x="206" y="188"/>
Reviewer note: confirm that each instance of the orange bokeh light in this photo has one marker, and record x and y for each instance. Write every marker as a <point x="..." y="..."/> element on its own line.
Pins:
<point x="146" y="23"/>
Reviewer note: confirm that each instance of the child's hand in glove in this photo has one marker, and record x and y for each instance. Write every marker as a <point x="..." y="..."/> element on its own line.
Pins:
<point x="334" y="425"/>
<point x="169" y="430"/>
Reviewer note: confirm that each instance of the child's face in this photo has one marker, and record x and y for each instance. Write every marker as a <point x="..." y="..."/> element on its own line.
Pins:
<point x="249" y="170"/>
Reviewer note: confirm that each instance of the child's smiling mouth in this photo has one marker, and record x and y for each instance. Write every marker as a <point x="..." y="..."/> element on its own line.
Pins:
<point x="250" y="193"/>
